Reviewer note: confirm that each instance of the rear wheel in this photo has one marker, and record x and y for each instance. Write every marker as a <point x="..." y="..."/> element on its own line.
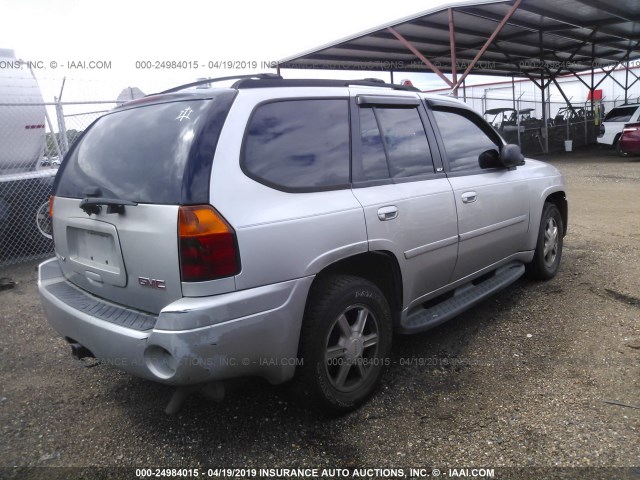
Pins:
<point x="620" y="151"/>
<point x="345" y="342"/>
<point x="546" y="260"/>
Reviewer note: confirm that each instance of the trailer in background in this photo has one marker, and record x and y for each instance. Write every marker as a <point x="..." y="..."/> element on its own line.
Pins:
<point x="25" y="182"/>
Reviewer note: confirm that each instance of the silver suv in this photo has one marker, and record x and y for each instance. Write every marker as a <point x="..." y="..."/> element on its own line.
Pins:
<point x="279" y="227"/>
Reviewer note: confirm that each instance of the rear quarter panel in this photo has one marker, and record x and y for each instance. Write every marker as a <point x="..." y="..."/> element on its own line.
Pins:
<point x="281" y="236"/>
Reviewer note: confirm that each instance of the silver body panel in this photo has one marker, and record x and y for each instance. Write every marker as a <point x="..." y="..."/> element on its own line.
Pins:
<point x="142" y="242"/>
<point x="281" y="235"/>
<point x="424" y="235"/>
<point x="249" y="324"/>
<point x="495" y="224"/>
<point x="237" y="334"/>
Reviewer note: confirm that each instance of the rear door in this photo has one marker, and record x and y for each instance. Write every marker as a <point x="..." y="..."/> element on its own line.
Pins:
<point x="493" y="203"/>
<point x="145" y="160"/>
<point x="408" y="202"/>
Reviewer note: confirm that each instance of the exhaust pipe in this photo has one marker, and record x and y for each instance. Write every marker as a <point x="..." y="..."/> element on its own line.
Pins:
<point x="79" y="352"/>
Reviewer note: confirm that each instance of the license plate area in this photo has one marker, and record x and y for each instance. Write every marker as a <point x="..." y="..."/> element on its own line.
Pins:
<point x="94" y="252"/>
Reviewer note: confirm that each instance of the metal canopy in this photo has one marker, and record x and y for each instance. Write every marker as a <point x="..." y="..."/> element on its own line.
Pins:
<point x="537" y="39"/>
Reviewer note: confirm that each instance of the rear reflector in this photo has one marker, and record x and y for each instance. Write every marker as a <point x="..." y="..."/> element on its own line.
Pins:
<point x="51" y="198"/>
<point x="208" y="247"/>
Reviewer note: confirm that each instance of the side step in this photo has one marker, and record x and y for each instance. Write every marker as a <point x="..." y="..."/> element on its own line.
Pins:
<point x="463" y="298"/>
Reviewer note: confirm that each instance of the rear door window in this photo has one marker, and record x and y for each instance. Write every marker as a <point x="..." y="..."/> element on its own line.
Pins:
<point x="299" y="145"/>
<point x="393" y="143"/>
<point x="620" y="114"/>
<point x="158" y="153"/>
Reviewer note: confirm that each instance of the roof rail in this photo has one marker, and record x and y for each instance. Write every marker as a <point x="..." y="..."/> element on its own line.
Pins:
<point x="309" y="82"/>
<point x="273" y="76"/>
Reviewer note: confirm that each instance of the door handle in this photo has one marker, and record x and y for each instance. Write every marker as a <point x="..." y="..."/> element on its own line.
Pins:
<point x="387" y="213"/>
<point x="469" y="197"/>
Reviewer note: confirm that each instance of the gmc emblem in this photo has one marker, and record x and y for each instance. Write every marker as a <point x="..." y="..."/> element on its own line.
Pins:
<point x="152" y="283"/>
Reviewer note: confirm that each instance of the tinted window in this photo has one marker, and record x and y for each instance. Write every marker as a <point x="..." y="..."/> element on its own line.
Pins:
<point x="158" y="153"/>
<point x="374" y="159"/>
<point x="620" y="114"/>
<point x="394" y="143"/>
<point x="299" y="143"/>
<point x="464" y="139"/>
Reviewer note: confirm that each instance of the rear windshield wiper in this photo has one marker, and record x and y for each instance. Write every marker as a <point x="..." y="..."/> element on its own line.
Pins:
<point x="114" y="205"/>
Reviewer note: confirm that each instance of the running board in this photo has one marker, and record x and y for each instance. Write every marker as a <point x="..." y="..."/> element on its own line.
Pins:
<point x="464" y="297"/>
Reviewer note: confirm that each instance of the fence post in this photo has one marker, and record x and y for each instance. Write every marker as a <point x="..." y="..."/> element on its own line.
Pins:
<point x="53" y="136"/>
<point x="518" y="119"/>
<point x="62" y="128"/>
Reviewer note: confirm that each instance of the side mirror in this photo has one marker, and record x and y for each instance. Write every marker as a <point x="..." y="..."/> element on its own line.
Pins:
<point x="490" y="159"/>
<point x="511" y="156"/>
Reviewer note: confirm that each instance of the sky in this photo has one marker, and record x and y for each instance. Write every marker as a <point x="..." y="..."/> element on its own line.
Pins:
<point x="125" y="32"/>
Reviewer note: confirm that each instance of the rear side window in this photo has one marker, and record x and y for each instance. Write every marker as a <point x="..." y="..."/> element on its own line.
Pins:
<point x="620" y="114"/>
<point x="299" y="144"/>
<point x="466" y="136"/>
<point x="393" y="143"/>
<point x="159" y="153"/>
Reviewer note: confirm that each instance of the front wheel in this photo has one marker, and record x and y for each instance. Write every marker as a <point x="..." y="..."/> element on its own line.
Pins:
<point x="546" y="260"/>
<point x="345" y="342"/>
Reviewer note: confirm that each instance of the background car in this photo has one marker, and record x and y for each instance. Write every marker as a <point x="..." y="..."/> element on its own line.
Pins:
<point x="614" y="122"/>
<point x="629" y="143"/>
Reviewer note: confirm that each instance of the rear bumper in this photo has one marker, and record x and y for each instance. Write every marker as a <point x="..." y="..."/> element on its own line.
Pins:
<point x="630" y="146"/>
<point x="194" y="340"/>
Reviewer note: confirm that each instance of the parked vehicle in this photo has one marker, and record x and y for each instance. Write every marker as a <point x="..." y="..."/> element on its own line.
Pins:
<point x="287" y="227"/>
<point x="517" y="127"/>
<point x="629" y="143"/>
<point x="614" y="122"/>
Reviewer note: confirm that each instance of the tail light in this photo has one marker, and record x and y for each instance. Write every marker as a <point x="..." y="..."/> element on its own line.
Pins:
<point x="630" y="129"/>
<point x="208" y="246"/>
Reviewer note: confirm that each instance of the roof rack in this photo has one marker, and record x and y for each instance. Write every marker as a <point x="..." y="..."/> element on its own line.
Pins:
<point x="263" y="80"/>
<point x="309" y="82"/>
<point x="273" y="76"/>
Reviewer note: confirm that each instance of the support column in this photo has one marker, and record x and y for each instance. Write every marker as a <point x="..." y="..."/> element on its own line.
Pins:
<point x="452" y="43"/>
<point x="542" y="88"/>
<point x="626" y="77"/>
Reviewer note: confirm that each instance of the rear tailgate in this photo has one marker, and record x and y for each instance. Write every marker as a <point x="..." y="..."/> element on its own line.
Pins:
<point x="130" y="259"/>
<point x="152" y="157"/>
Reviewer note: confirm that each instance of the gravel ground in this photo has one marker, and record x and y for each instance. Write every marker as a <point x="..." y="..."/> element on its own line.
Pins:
<point x="523" y="380"/>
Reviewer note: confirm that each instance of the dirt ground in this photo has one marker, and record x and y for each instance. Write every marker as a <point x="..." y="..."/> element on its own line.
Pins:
<point x="541" y="375"/>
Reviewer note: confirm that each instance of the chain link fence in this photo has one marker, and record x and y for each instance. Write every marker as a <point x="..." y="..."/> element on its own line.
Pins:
<point x="34" y="137"/>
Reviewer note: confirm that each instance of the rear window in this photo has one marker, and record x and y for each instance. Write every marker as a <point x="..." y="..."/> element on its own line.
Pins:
<point x="620" y="114"/>
<point x="160" y="153"/>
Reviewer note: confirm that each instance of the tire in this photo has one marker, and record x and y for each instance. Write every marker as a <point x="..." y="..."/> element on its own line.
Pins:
<point x="621" y="153"/>
<point x="344" y="343"/>
<point x="548" y="253"/>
